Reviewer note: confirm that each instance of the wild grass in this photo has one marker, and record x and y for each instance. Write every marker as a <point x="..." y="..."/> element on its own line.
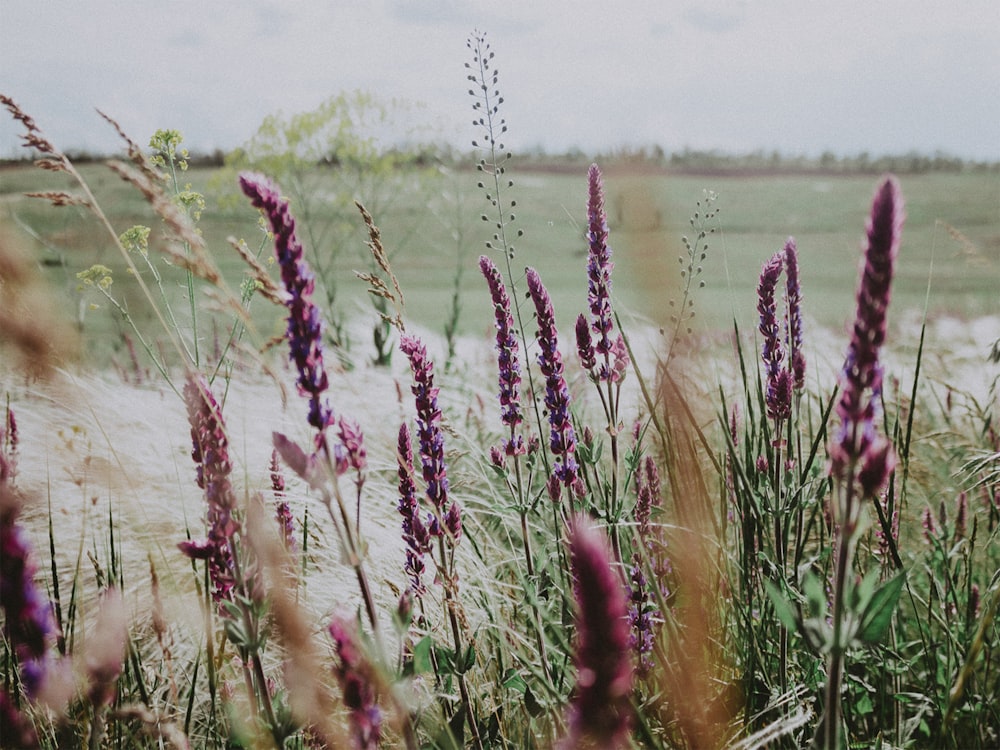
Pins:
<point x="591" y="528"/>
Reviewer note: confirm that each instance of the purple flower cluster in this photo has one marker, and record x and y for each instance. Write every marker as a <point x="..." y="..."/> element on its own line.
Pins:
<point x="599" y="263"/>
<point x="431" y="437"/>
<point x="210" y="453"/>
<point x="640" y="618"/>
<point x="647" y="488"/>
<point x="613" y="354"/>
<point x="29" y="626"/>
<point x="282" y="511"/>
<point x="356" y="678"/>
<point x="305" y="326"/>
<point x="600" y="714"/>
<point x="793" y="299"/>
<point x="857" y="441"/>
<point x="507" y="357"/>
<point x="416" y="534"/>
<point x="783" y="374"/>
<point x="778" y="394"/>
<point x="562" y="439"/>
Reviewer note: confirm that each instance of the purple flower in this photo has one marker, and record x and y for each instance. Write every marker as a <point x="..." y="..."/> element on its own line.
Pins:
<point x="640" y="617"/>
<point x="507" y="357"/>
<point x="961" y="516"/>
<point x="793" y="298"/>
<point x="210" y="452"/>
<point x="415" y="533"/>
<point x="352" y="440"/>
<point x="18" y="730"/>
<point x="861" y="379"/>
<point x="600" y="713"/>
<point x="599" y="266"/>
<point x="778" y="391"/>
<point x="585" y="344"/>
<point x="429" y="433"/>
<point x="305" y="326"/>
<point x="562" y="439"/>
<point x="358" y="682"/>
<point x="29" y="626"/>
<point x="282" y="511"/>
<point x="647" y="487"/>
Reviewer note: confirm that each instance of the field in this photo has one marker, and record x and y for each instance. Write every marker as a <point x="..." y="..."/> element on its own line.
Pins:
<point x="432" y="230"/>
<point x="259" y="515"/>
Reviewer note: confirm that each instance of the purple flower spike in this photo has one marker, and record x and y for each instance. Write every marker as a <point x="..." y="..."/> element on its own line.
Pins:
<point x="353" y="442"/>
<point x="599" y="264"/>
<point x="585" y="344"/>
<point x="358" y="682"/>
<point x="562" y="438"/>
<point x="29" y="626"/>
<point x="861" y="379"/>
<point x="600" y="713"/>
<point x="507" y="356"/>
<point x="429" y="434"/>
<point x="210" y="452"/>
<point x="640" y="618"/>
<point x="305" y="326"/>
<point x="415" y="532"/>
<point x="777" y="396"/>
<point x="793" y="298"/>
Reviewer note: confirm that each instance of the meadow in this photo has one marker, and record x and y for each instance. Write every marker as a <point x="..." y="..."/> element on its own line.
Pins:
<point x="591" y="458"/>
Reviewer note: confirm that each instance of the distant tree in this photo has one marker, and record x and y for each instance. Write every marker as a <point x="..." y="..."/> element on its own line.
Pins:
<point x="354" y="146"/>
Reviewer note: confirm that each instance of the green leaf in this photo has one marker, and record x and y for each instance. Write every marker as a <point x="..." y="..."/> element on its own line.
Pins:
<point x="515" y="682"/>
<point x="815" y="593"/>
<point x="782" y="607"/>
<point x="422" y="663"/>
<point x="877" y="615"/>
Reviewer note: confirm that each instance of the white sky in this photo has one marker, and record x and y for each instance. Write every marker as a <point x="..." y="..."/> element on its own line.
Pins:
<point x="736" y="75"/>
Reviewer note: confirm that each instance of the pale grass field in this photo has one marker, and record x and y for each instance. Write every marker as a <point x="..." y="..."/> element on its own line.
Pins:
<point x="94" y="446"/>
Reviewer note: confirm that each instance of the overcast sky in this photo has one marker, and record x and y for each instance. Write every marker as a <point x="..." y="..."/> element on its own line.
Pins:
<point x="734" y="75"/>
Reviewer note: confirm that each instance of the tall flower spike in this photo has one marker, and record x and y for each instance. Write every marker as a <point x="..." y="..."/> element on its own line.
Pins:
<point x="415" y="532"/>
<point x="305" y="326"/>
<point x="507" y="357"/>
<point x="562" y="439"/>
<point x="599" y="268"/>
<point x="29" y="626"/>
<point x="861" y="378"/>
<point x="793" y="298"/>
<point x="429" y="434"/>
<point x="600" y="713"/>
<point x="778" y="391"/>
<point x="210" y="452"/>
<point x="357" y="680"/>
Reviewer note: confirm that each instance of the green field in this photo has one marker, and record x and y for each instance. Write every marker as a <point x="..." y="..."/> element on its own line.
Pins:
<point x="951" y="241"/>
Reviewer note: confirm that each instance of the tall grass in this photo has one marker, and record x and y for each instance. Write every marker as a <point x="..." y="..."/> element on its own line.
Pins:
<point x="579" y="534"/>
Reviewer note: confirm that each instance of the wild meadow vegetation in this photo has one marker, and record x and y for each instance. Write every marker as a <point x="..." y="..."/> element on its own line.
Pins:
<point x="488" y="483"/>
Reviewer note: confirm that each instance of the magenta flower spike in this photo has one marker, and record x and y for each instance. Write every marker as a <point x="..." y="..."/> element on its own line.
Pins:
<point x="778" y="393"/>
<point x="585" y="344"/>
<point x="305" y="326"/>
<point x="431" y="437"/>
<point x="415" y="532"/>
<point x="793" y="298"/>
<point x="508" y="361"/>
<point x="356" y="678"/>
<point x="562" y="439"/>
<point x="861" y="379"/>
<point x="599" y="267"/>
<point x="29" y="626"/>
<point x="210" y="452"/>
<point x="600" y="713"/>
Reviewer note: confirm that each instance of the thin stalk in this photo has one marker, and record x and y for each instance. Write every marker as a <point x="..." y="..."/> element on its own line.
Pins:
<point x="450" y="587"/>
